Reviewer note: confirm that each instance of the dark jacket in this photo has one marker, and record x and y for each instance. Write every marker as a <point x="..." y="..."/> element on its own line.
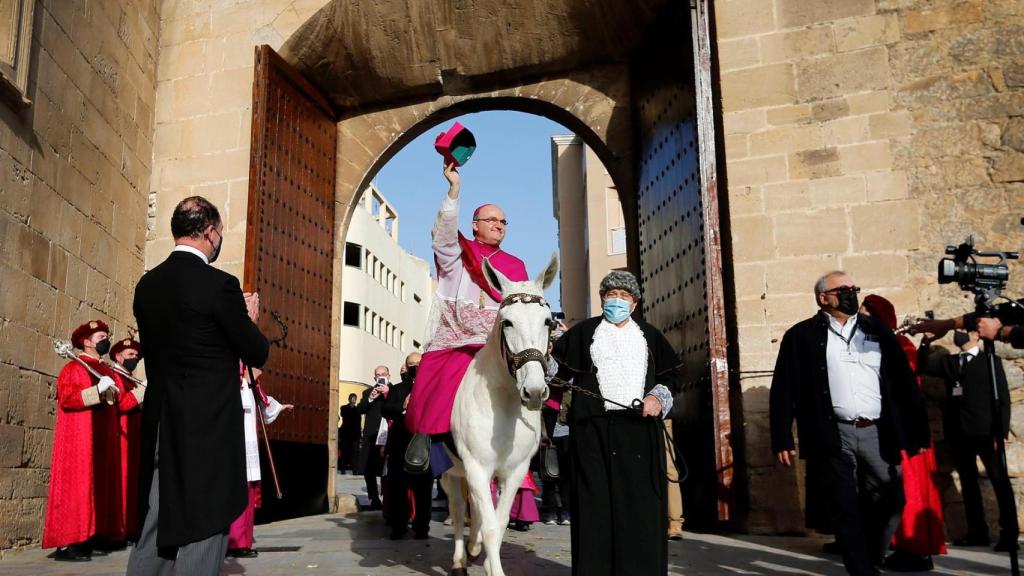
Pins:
<point x="572" y="351"/>
<point x="371" y="426"/>
<point x="800" y="389"/>
<point x="969" y="414"/>
<point x="193" y="322"/>
<point x="351" y="422"/>
<point x="394" y="410"/>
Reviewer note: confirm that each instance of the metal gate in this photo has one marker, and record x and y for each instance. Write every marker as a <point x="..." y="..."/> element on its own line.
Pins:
<point x="680" y="258"/>
<point x="289" y="260"/>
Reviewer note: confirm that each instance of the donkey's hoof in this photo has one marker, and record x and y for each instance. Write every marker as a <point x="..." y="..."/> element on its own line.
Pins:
<point x="458" y="572"/>
<point x="474" y="557"/>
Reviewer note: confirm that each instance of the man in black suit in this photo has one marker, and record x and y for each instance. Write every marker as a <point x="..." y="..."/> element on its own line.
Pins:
<point x="846" y="380"/>
<point x="196" y="325"/>
<point x="969" y="424"/>
<point x="371" y="454"/>
<point x="348" y="434"/>
<point x="400" y="481"/>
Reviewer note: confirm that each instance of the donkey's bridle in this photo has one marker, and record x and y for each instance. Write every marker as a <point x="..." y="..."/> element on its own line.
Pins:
<point x="516" y="360"/>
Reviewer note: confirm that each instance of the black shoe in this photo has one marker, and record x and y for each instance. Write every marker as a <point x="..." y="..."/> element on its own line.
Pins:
<point x="421" y="535"/>
<point x="397" y="534"/>
<point x="519" y="526"/>
<point x="242" y="553"/>
<point x="73" y="553"/>
<point x="417" y="455"/>
<point x="831" y="547"/>
<point x="375" y="504"/>
<point x="904" y="562"/>
<point x="1005" y="546"/>
<point x="971" y="540"/>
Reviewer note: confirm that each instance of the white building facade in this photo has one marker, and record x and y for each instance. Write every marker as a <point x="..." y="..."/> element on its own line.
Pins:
<point x="385" y="295"/>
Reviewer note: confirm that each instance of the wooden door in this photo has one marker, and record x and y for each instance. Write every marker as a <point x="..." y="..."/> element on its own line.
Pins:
<point x="289" y="256"/>
<point x="679" y="253"/>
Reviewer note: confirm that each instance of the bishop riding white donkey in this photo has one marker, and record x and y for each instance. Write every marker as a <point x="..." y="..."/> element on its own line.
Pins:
<point x="496" y="417"/>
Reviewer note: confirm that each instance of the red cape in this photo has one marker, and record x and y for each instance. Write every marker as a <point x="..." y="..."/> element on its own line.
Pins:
<point x="473" y="254"/>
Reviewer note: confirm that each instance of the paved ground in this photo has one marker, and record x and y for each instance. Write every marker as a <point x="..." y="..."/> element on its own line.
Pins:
<point x="357" y="545"/>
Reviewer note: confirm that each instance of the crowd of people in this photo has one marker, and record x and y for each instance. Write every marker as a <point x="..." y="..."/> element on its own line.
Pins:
<point x="172" y="463"/>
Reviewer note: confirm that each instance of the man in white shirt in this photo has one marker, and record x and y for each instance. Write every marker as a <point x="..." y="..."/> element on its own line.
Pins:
<point x="845" y="379"/>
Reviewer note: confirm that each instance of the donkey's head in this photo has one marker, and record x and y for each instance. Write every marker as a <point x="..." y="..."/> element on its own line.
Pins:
<point x="524" y="321"/>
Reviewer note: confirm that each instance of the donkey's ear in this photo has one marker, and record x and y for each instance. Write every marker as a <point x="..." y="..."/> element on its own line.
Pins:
<point x="547" y="275"/>
<point x="494" y="278"/>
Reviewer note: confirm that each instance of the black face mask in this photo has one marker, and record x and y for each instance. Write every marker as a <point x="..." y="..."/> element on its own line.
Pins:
<point x="216" y="249"/>
<point x="848" y="303"/>
<point x="103" y="346"/>
<point x="410" y="372"/>
<point x="961" y="338"/>
<point x="130" y="364"/>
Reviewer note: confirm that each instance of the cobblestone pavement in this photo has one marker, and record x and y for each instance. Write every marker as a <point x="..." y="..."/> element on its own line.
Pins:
<point x="357" y="544"/>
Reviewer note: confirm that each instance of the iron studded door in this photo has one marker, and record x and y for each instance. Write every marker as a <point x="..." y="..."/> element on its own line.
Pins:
<point x="680" y="262"/>
<point x="289" y="261"/>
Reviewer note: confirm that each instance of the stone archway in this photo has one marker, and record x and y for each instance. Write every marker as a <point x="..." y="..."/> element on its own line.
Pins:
<point x="606" y="73"/>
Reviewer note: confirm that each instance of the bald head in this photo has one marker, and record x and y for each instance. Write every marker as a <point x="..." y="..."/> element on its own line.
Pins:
<point x="489" y="224"/>
<point x="413" y="359"/>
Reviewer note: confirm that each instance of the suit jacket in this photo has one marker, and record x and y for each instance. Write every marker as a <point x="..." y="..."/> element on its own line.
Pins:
<point x="371" y="426"/>
<point x="193" y="322"/>
<point x="970" y="414"/>
<point x="800" y="389"/>
<point x="572" y="351"/>
<point x="394" y="410"/>
<point x="350" y="423"/>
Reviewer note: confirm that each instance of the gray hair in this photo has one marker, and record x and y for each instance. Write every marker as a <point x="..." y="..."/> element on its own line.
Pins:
<point x="822" y="284"/>
<point x="620" y="280"/>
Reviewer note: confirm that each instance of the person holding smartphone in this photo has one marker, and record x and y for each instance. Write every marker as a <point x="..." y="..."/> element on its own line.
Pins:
<point x="371" y="457"/>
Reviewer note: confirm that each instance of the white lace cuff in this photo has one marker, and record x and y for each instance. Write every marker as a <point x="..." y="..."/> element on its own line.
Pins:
<point x="664" y="396"/>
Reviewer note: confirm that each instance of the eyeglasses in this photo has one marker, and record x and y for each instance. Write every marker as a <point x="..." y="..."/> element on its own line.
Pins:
<point x="491" y="221"/>
<point x="843" y="289"/>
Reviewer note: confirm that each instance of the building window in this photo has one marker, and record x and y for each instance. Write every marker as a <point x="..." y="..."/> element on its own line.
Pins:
<point x="618" y="244"/>
<point x="15" y="44"/>
<point x="353" y="255"/>
<point x="351" y="315"/>
<point x="416" y="298"/>
<point x="416" y="344"/>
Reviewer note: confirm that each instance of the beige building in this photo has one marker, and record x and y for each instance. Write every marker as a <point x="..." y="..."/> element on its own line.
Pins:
<point x="858" y="134"/>
<point x="386" y="295"/>
<point x="592" y="227"/>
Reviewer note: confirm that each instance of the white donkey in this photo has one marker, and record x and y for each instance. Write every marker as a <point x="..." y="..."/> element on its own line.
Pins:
<point x="496" y="417"/>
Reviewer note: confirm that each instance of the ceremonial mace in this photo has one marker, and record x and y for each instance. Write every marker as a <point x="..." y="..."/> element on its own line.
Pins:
<point x="65" y="349"/>
<point x="117" y="368"/>
<point x="259" y="403"/>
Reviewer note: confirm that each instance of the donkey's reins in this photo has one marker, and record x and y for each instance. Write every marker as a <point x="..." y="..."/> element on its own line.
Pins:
<point x="516" y="360"/>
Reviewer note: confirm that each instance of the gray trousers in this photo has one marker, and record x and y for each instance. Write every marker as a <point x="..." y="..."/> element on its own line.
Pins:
<point x="202" y="558"/>
<point x="866" y="498"/>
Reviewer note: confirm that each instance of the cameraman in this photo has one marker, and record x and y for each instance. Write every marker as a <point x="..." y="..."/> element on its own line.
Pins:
<point x="1007" y="325"/>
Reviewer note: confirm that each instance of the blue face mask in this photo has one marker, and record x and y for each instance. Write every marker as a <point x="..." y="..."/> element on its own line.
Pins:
<point x="615" y="310"/>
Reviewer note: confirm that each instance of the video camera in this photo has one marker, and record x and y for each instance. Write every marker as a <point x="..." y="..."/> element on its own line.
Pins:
<point x="985" y="280"/>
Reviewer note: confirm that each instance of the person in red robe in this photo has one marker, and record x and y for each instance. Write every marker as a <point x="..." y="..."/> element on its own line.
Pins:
<point x="85" y="466"/>
<point x="126" y="354"/>
<point x="920" y="533"/>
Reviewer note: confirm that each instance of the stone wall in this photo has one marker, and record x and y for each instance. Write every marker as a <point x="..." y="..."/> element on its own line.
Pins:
<point x="863" y="135"/>
<point x="204" y="110"/>
<point x="74" y="177"/>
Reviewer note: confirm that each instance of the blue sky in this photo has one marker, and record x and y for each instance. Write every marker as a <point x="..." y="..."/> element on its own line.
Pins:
<point x="511" y="168"/>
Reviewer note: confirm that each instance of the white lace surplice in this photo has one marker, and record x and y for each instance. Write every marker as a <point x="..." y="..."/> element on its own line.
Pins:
<point x="461" y="313"/>
<point x="252" y="446"/>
